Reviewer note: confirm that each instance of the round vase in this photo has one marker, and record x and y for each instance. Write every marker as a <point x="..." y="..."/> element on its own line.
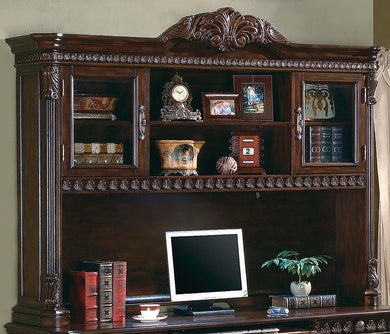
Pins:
<point x="301" y="289"/>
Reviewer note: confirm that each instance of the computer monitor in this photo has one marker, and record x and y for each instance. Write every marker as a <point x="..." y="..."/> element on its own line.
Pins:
<point x="206" y="266"/>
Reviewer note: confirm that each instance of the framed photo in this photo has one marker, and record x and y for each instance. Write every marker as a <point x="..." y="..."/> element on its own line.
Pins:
<point x="221" y="106"/>
<point x="256" y="91"/>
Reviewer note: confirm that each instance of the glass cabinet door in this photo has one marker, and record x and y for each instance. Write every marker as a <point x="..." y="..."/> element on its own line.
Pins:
<point x="106" y="122"/>
<point x="329" y="123"/>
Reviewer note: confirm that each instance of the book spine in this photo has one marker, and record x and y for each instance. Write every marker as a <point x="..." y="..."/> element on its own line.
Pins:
<point x="119" y="291"/>
<point x="337" y="143"/>
<point x="84" y="296"/>
<point x="326" y="144"/>
<point x="315" y="144"/>
<point x="313" y="301"/>
<point x="104" y="268"/>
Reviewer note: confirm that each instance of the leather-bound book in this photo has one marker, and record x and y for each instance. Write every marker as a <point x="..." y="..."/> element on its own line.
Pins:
<point x="326" y="144"/>
<point x="119" y="290"/>
<point x="104" y="270"/>
<point x="84" y="297"/>
<point x="315" y="143"/>
<point x="311" y="301"/>
<point x="337" y="143"/>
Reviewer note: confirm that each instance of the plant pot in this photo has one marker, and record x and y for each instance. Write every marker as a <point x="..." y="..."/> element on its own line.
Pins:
<point x="301" y="289"/>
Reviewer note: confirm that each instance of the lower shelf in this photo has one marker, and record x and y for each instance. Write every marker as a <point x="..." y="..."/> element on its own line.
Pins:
<point x="319" y="320"/>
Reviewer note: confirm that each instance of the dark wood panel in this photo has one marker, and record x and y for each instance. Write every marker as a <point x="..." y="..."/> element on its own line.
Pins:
<point x="132" y="227"/>
<point x="29" y="183"/>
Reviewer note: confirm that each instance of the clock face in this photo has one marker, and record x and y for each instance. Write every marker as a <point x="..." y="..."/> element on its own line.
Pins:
<point x="180" y="93"/>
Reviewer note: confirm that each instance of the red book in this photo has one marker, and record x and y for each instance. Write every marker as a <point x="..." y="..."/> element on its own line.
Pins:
<point x="84" y="296"/>
<point x="119" y="290"/>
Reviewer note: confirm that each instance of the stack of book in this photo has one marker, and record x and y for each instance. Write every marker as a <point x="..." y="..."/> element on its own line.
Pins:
<point x="326" y="143"/>
<point x="98" y="292"/>
<point x="311" y="301"/>
<point x="98" y="153"/>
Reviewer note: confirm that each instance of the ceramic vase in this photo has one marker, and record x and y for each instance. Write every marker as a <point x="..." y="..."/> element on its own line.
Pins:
<point x="179" y="156"/>
<point x="300" y="289"/>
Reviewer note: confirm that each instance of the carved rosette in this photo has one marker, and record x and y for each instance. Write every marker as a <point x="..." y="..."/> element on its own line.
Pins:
<point x="356" y="326"/>
<point x="226" y="29"/>
<point x="51" y="291"/>
<point x="268" y="183"/>
<point x="51" y="83"/>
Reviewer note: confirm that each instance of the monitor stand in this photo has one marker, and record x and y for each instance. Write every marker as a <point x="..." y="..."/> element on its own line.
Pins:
<point x="200" y="308"/>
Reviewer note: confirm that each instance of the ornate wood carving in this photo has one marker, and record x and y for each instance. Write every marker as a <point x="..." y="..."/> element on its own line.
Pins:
<point x="357" y="326"/>
<point x="381" y="325"/>
<point x="336" y="328"/>
<point x="226" y="29"/>
<point x="370" y="85"/>
<point x="210" y="183"/>
<point x="373" y="279"/>
<point x="298" y="65"/>
<point x="51" y="291"/>
<point x="51" y="83"/>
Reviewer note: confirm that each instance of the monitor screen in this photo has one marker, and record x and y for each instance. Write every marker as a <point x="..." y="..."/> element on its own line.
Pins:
<point x="206" y="265"/>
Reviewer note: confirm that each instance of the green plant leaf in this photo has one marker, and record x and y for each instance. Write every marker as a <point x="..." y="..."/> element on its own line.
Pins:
<point x="288" y="260"/>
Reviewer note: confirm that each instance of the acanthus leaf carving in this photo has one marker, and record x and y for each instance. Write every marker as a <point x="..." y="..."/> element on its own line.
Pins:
<point x="226" y="29"/>
<point x="370" y="84"/>
<point x="51" y="290"/>
<point x="51" y="83"/>
<point x="373" y="280"/>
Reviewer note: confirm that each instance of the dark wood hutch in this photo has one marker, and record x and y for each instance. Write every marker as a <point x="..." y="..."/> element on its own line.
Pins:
<point x="70" y="212"/>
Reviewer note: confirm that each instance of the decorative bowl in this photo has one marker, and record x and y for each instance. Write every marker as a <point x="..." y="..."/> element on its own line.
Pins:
<point x="179" y="156"/>
<point x="95" y="103"/>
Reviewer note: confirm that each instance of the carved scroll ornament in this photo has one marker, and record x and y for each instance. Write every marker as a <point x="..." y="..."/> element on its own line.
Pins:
<point x="225" y="29"/>
<point x="373" y="279"/>
<point x="51" y="83"/>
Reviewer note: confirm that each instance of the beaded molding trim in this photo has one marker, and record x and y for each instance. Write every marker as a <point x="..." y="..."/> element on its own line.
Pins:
<point x="197" y="61"/>
<point x="210" y="183"/>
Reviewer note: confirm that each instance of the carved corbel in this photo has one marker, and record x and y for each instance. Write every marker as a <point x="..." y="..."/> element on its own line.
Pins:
<point x="372" y="295"/>
<point x="51" y="291"/>
<point x="51" y="83"/>
<point x="370" y="84"/>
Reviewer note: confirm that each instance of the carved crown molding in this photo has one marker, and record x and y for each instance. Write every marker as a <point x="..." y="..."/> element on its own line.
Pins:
<point x="225" y="29"/>
<point x="191" y="184"/>
<point x="147" y="60"/>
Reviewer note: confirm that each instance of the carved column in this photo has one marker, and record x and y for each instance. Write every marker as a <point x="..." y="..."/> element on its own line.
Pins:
<point x="51" y="280"/>
<point x="372" y="295"/>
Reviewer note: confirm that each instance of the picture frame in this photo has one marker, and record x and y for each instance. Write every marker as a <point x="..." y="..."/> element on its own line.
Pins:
<point x="221" y="106"/>
<point x="256" y="93"/>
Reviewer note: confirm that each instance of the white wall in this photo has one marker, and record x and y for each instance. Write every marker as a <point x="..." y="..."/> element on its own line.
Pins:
<point x="301" y="21"/>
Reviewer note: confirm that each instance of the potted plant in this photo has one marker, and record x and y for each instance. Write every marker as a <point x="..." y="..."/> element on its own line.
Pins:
<point x="303" y="267"/>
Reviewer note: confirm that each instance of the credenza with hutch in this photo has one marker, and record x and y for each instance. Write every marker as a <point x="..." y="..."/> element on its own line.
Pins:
<point x="70" y="210"/>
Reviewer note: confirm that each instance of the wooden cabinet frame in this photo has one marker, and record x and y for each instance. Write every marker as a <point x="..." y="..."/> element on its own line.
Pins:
<point x="63" y="213"/>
